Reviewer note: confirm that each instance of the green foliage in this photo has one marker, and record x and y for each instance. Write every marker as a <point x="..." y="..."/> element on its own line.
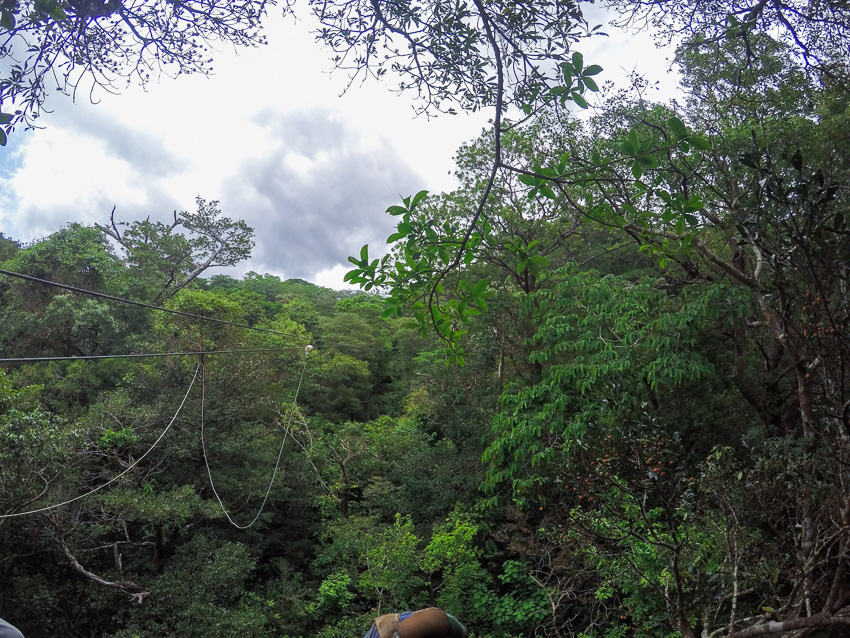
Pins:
<point x="202" y="593"/>
<point x="336" y="385"/>
<point x="35" y="446"/>
<point x="428" y="250"/>
<point x="165" y="261"/>
<point x="523" y="607"/>
<point x="608" y="347"/>
<point x="334" y="593"/>
<point x="662" y="428"/>
<point x="390" y="557"/>
<point x="453" y="560"/>
<point x="8" y="247"/>
<point x="394" y="569"/>
<point x="75" y="255"/>
<point x="466" y="54"/>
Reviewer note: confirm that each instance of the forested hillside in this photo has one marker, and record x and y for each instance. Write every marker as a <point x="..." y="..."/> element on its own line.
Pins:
<point x="600" y="389"/>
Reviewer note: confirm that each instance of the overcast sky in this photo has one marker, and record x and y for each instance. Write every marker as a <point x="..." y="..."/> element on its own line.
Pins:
<point x="270" y="136"/>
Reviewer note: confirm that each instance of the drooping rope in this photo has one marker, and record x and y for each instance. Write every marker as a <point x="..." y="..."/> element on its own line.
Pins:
<point x="115" y="478"/>
<point x="279" y="454"/>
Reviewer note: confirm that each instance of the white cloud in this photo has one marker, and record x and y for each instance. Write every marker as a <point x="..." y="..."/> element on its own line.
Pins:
<point x="269" y="136"/>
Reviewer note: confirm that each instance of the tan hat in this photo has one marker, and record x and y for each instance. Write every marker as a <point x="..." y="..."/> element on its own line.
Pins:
<point x="387" y="624"/>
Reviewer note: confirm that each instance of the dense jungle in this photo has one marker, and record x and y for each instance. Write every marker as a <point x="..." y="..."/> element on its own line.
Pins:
<point x="600" y="390"/>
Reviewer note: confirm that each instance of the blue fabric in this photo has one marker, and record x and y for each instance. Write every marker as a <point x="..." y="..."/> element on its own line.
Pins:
<point x="373" y="630"/>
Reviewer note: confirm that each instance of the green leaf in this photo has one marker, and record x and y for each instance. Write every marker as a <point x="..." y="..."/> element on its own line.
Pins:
<point x="700" y="142"/>
<point x="529" y="180"/>
<point x="418" y="198"/>
<point x="694" y="204"/>
<point x="637" y="170"/>
<point x="649" y="161"/>
<point x="593" y="69"/>
<point x="547" y="192"/>
<point x="590" y="83"/>
<point x="58" y="14"/>
<point x="578" y="99"/>
<point x="578" y="61"/>
<point x="7" y="21"/>
<point x="5" y="118"/>
<point x="396" y="210"/>
<point x="749" y="160"/>
<point x="2" y="137"/>
<point x="678" y="127"/>
<point x="364" y="254"/>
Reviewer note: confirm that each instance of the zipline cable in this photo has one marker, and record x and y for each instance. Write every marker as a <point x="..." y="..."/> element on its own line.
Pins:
<point x="114" y="478"/>
<point x="279" y="454"/>
<point x="91" y="357"/>
<point x="141" y="304"/>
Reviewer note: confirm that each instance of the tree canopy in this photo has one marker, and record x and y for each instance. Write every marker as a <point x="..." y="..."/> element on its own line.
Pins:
<point x="650" y="432"/>
<point x="79" y="45"/>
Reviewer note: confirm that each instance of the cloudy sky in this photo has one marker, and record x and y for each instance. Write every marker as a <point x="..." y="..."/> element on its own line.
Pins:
<point x="270" y="136"/>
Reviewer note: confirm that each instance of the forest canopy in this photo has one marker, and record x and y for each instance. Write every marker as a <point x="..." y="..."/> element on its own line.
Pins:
<point x="649" y="434"/>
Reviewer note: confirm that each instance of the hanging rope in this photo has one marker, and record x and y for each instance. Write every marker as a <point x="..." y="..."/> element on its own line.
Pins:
<point x="115" y="478"/>
<point x="279" y="453"/>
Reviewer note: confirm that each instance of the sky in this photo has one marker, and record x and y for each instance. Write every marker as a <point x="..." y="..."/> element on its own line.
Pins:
<point x="273" y="136"/>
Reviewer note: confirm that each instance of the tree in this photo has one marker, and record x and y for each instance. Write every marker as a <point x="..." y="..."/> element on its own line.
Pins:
<point x="39" y="321"/>
<point x="469" y="53"/>
<point x="107" y="43"/>
<point x="734" y="196"/>
<point x="168" y="261"/>
<point x="416" y="282"/>
<point x="816" y="35"/>
<point x="8" y="247"/>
